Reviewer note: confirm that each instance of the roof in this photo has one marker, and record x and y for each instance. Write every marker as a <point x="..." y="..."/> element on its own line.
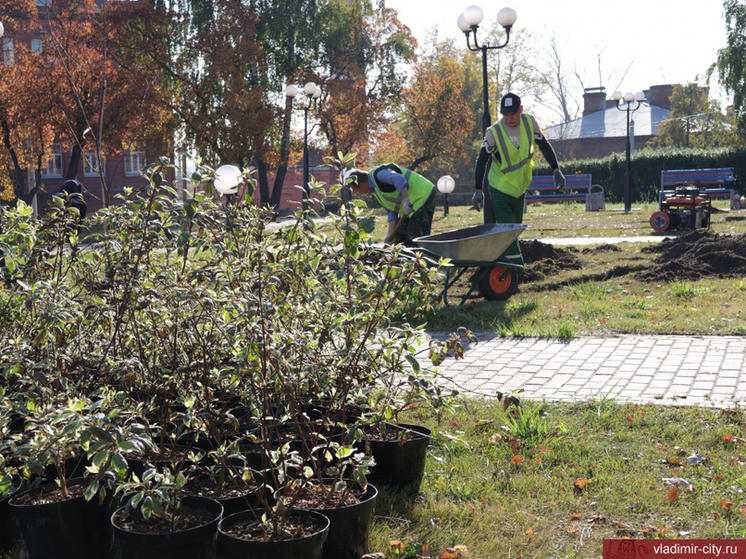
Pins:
<point x="610" y="123"/>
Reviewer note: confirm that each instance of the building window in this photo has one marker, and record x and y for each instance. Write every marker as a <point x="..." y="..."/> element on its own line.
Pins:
<point x="134" y="162"/>
<point x="36" y="46"/>
<point x="54" y="164"/>
<point x="8" y="51"/>
<point x="90" y="164"/>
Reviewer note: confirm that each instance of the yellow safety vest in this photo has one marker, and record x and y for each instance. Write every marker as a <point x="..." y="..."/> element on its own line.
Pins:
<point x="513" y="174"/>
<point x="419" y="188"/>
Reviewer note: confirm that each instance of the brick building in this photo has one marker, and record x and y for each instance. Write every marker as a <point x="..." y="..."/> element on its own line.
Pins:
<point x="602" y="130"/>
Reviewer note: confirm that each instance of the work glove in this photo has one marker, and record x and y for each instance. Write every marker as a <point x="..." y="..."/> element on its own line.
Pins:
<point x="407" y="207"/>
<point x="477" y="201"/>
<point x="559" y="179"/>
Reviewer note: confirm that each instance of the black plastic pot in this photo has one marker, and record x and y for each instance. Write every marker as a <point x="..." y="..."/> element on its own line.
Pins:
<point x="308" y="547"/>
<point x="70" y="529"/>
<point x="8" y="531"/>
<point x="198" y="543"/>
<point x="349" y="527"/>
<point x="401" y="464"/>
<point x="251" y="499"/>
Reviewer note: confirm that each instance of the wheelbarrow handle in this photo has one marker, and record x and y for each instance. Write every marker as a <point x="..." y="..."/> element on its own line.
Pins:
<point x="390" y="237"/>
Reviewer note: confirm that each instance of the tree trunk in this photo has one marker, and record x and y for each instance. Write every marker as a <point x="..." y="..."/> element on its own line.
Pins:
<point x="72" y="170"/>
<point x="284" y="155"/>
<point x="18" y="181"/>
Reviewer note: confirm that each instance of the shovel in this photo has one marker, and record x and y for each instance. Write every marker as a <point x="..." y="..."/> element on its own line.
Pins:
<point x="390" y="237"/>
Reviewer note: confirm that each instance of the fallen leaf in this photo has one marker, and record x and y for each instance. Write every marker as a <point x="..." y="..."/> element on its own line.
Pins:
<point x="455" y="552"/>
<point x="666" y="529"/>
<point x="517" y="460"/>
<point x="727" y="438"/>
<point x="513" y="443"/>
<point x="742" y="509"/>
<point x="530" y="532"/>
<point x="717" y="478"/>
<point x="579" y="484"/>
<point x="673" y="493"/>
<point x="396" y="546"/>
<point x="573" y="529"/>
<point x="726" y="504"/>
<point x="574" y="516"/>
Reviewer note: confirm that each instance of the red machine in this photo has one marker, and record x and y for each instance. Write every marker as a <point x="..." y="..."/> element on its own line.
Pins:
<point x="687" y="208"/>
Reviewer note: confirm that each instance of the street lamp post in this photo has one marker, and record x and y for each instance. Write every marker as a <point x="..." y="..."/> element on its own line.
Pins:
<point x="312" y="92"/>
<point x="446" y="184"/>
<point x="468" y="22"/>
<point x="632" y="102"/>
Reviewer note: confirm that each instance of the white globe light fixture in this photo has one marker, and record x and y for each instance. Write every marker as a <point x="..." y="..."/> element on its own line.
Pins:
<point x="461" y="22"/>
<point x="629" y="97"/>
<point x="291" y="91"/>
<point x="473" y="15"/>
<point x="2" y="30"/>
<point x="446" y="184"/>
<point x="617" y="95"/>
<point x="309" y="89"/>
<point x="506" y="17"/>
<point x="317" y="93"/>
<point x="639" y="96"/>
<point x="227" y="179"/>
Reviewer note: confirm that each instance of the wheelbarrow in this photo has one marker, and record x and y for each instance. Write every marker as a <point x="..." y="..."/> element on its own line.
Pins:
<point x="482" y="247"/>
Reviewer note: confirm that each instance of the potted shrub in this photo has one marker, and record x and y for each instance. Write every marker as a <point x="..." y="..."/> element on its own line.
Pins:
<point x="158" y="521"/>
<point x="58" y="517"/>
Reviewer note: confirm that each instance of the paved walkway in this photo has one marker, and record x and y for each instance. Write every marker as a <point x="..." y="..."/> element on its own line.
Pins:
<point x="681" y="370"/>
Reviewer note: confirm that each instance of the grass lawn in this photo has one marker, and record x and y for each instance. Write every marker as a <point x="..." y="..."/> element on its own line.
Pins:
<point x="604" y="296"/>
<point x="560" y="478"/>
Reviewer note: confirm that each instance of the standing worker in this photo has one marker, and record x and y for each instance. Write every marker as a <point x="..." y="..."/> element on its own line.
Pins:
<point x="408" y="197"/>
<point x="511" y="143"/>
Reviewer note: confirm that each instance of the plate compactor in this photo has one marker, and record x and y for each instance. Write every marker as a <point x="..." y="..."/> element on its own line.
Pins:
<point x="687" y="208"/>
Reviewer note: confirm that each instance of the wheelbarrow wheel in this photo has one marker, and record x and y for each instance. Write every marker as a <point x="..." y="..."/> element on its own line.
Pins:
<point x="498" y="284"/>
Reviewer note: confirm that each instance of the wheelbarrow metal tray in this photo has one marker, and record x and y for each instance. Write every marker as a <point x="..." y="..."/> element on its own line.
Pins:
<point x="476" y="245"/>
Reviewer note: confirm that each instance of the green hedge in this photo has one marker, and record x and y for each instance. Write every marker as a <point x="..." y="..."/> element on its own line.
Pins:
<point x="646" y="167"/>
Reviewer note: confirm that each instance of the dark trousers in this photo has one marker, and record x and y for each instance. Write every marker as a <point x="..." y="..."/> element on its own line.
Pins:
<point x="509" y="210"/>
<point x="419" y="223"/>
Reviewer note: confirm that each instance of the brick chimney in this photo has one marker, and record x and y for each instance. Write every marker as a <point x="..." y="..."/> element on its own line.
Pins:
<point x="659" y="96"/>
<point x="594" y="100"/>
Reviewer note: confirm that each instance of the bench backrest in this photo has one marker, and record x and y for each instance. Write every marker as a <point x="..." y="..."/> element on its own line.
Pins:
<point x="690" y="176"/>
<point x="572" y="182"/>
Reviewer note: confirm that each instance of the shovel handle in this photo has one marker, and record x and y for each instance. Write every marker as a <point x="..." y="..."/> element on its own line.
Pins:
<point x="390" y="237"/>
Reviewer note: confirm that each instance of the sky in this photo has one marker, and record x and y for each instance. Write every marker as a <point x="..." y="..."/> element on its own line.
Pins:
<point x="660" y="41"/>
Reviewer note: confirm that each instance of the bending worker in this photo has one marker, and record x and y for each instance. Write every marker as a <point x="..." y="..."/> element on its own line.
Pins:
<point x="408" y="197"/>
<point x="510" y="142"/>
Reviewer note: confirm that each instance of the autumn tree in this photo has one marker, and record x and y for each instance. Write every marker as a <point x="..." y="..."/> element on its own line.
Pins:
<point x="366" y="57"/>
<point x="731" y="63"/>
<point x="695" y="121"/>
<point x="16" y="16"/>
<point x="65" y="90"/>
<point x="436" y="120"/>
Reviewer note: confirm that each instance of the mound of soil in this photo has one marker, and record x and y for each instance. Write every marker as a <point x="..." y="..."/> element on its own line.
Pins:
<point x="700" y="254"/>
<point x="544" y="260"/>
<point x="602" y="248"/>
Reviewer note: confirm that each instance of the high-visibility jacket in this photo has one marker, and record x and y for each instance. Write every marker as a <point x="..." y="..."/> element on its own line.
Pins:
<point x="512" y="175"/>
<point x="419" y="188"/>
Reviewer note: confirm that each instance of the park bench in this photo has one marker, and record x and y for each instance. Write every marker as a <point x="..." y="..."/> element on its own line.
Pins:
<point x="724" y="181"/>
<point x="577" y="189"/>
